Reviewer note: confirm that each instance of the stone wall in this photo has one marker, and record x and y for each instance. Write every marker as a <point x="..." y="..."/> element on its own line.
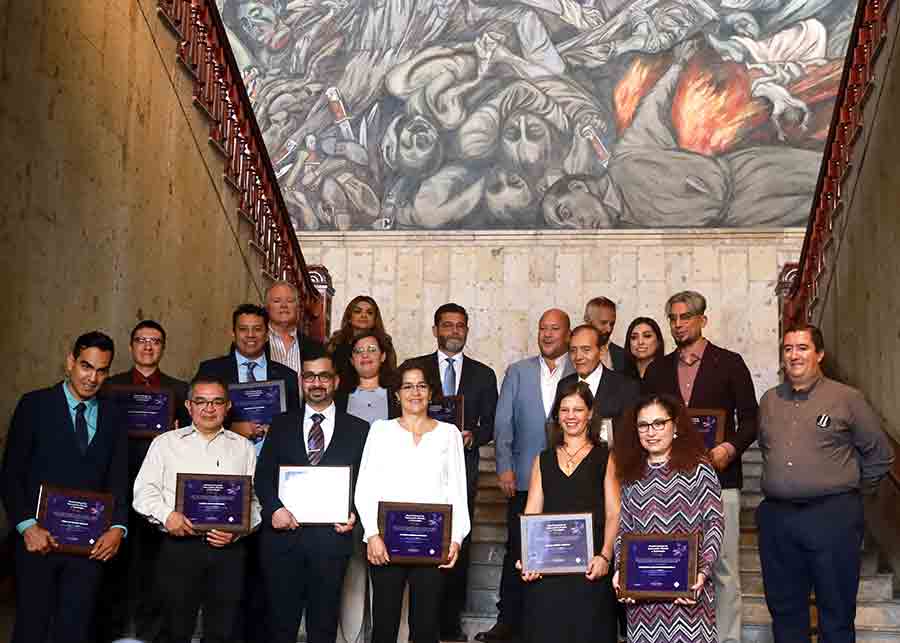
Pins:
<point x="115" y="208"/>
<point x="507" y="280"/>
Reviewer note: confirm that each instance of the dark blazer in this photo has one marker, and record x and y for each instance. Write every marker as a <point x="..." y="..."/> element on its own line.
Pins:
<point x="42" y="448"/>
<point x="137" y="449"/>
<point x="617" y="353"/>
<point x="342" y="398"/>
<point x="615" y="394"/>
<point x="723" y="382"/>
<point x="477" y="385"/>
<point x="226" y="368"/>
<point x="285" y="445"/>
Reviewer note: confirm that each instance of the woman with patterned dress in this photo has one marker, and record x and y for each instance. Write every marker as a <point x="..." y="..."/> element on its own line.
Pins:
<point x="669" y="486"/>
<point x="576" y="474"/>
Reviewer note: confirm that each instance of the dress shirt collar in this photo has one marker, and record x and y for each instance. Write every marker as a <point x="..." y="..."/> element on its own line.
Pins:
<point x="191" y="430"/>
<point x="138" y="378"/>
<point x="560" y="365"/>
<point x="799" y="395"/>
<point x="260" y="362"/>
<point x="593" y="380"/>
<point x="73" y="401"/>
<point x="275" y="333"/>
<point x="690" y="356"/>
<point x="443" y="357"/>
<point x="329" y="413"/>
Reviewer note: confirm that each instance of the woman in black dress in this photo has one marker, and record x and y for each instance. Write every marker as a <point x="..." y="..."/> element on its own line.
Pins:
<point x="576" y="474"/>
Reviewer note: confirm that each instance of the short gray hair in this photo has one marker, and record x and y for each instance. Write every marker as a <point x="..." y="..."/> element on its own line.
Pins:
<point x="282" y="282"/>
<point x="695" y="302"/>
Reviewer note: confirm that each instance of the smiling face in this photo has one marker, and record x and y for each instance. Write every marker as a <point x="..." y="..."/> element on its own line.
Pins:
<point x="87" y="372"/>
<point x="208" y="406"/>
<point x="643" y="342"/>
<point x="584" y="353"/>
<point x="319" y="382"/>
<point x="147" y="347"/>
<point x="553" y="334"/>
<point x="250" y="335"/>
<point x="574" y="416"/>
<point x="282" y="305"/>
<point x="656" y="430"/>
<point x="802" y="362"/>
<point x="367" y="356"/>
<point x="414" y="392"/>
<point x="686" y="324"/>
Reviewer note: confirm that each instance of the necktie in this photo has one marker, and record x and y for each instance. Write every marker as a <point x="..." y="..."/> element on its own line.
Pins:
<point x="450" y="378"/>
<point x="81" y="431"/>
<point x="315" y="447"/>
<point x="250" y="366"/>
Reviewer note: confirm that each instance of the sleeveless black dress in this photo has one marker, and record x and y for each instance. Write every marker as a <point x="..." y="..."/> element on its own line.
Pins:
<point x="571" y="608"/>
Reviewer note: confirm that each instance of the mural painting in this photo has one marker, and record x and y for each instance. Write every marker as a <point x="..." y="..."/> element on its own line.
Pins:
<point x="542" y="114"/>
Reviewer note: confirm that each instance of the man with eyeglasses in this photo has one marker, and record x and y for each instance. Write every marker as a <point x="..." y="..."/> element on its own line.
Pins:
<point x="449" y="372"/>
<point x="304" y="565"/>
<point x="129" y="592"/>
<point x="707" y="376"/>
<point x="196" y="570"/>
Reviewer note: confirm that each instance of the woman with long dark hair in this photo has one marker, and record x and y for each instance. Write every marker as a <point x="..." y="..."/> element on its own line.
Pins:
<point x="361" y="315"/>
<point x="369" y="390"/>
<point x="575" y="474"/>
<point x="643" y="344"/>
<point x="668" y="486"/>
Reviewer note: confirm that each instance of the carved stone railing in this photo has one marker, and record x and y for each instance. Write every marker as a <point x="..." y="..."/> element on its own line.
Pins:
<point x="802" y="286"/>
<point x="205" y="53"/>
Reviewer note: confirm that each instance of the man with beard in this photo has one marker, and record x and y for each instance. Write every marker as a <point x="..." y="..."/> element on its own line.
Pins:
<point x="304" y="565"/>
<point x="449" y="372"/>
<point x="526" y="398"/>
<point x="706" y="376"/>
<point x="600" y="312"/>
<point x="613" y="392"/>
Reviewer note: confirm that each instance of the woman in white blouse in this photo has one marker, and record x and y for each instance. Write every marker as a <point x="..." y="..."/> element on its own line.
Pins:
<point x="410" y="459"/>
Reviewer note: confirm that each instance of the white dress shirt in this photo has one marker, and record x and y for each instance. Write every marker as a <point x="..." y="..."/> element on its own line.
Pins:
<point x="593" y="380"/>
<point x="396" y="469"/>
<point x="327" y="424"/>
<point x="188" y="451"/>
<point x="550" y="380"/>
<point x="457" y="367"/>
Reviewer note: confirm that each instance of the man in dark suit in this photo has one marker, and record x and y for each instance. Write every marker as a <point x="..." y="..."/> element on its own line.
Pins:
<point x="600" y="312"/>
<point x="304" y="565"/>
<point x="128" y="590"/>
<point x="247" y="362"/>
<point x="706" y="376"/>
<point x="64" y="436"/>
<point x="613" y="392"/>
<point x="449" y="372"/>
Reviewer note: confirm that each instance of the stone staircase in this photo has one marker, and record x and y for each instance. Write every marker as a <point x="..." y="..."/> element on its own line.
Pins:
<point x="877" y="612"/>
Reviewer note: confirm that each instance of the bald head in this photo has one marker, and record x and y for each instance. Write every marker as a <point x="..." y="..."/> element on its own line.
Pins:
<point x="553" y="333"/>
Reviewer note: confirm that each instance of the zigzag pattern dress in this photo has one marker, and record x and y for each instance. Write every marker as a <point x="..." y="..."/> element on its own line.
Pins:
<point x="669" y="501"/>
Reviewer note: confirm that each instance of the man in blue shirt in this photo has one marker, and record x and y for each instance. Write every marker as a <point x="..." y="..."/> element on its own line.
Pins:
<point x="64" y="436"/>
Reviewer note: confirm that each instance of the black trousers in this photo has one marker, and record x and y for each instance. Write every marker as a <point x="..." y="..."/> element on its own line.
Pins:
<point x="388" y="583"/>
<point x="252" y="618"/>
<point x="512" y="589"/>
<point x="299" y="580"/>
<point x="457" y="579"/>
<point x="192" y="575"/>
<point x="812" y="545"/>
<point x="55" y="596"/>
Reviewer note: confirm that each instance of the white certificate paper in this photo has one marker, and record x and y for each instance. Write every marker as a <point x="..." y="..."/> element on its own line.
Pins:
<point x="315" y="495"/>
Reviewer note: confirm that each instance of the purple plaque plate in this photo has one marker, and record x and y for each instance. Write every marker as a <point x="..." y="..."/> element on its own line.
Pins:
<point x="658" y="566"/>
<point x="416" y="533"/>
<point x="75" y="518"/>
<point x="147" y="411"/>
<point x="214" y="501"/>
<point x="710" y="424"/>
<point x="557" y="543"/>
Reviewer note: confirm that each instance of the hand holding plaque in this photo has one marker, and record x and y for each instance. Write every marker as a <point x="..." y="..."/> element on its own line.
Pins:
<point x="710" y="424"/>
<point x="416" y="533"/>
<point x="449" y="409"/>
<point x="315" y="495"/>
<point x="76" y="519"/>
<point x="555" y="544"/>
<point x="658" y="566"/>
<point x="210" y="501"/>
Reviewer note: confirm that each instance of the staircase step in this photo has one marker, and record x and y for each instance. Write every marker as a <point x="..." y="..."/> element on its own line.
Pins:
<point x="872" y="587"/>
<point x="489" y="533"/>
<point x="472" y="624"/>
<point x="487" y="466"/>
<point x="485" y="576"/>
<point x="750" y="499"/>
<point x="748" y="519"/>
<point x="750" y="561"/>
<point x="752" y="455"/>
<point x="762" y="633"/>
<point x="488" y="553"/>
<point x="487" y="480"/>
<point x="482" y="602"/>
<point x="877" y="614"/>
<point x="490" y="495"/>
<point x="487" y="452"/>
<point x="751" y="483"/>
<point x="493" y="513"/>
<point x="751" y="469"/>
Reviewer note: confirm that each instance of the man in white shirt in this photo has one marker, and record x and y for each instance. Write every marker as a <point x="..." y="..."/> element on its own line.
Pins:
<point x="526" y="398"/>
<point x="196" y="570"/>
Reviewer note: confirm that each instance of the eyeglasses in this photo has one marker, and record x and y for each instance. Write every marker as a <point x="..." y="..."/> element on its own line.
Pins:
<point x="148" y="341"/>
<point x="372" y="348"/>
<point x="217" y="402"/>
<point x="310" y="377"/>
<point x="683" y="317"/>
<point x="409" y="388"/>
<point x="659" y="424"/>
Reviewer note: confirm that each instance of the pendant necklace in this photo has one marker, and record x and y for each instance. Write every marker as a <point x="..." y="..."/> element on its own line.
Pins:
<point x="570" y="463"/>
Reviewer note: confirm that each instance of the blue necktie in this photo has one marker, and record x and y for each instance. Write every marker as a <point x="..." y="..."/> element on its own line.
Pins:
<point x="81" y="430"/>
<point x="250" y="366"/>
<point x="449" y="378"/>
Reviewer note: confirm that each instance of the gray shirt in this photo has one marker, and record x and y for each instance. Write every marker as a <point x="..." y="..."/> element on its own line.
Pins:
<point x="368" y="404"/>
<point x="819" y="442"/>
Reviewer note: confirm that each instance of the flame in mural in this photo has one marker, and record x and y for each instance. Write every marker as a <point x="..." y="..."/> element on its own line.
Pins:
<point x="640" y="77"/>
<point x="713" y="108"/>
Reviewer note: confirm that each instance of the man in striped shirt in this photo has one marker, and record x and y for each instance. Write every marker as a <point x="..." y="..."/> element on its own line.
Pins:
<point x="286" y="345"/>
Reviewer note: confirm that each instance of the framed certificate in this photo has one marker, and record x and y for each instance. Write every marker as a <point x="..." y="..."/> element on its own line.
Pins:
<point x="449" y="409"/>
<point x="557" y="543"/>
<point x="212" y="501"/>
<point x="316" y="495"/>
<point x="658" y="566"/>
<point x="416" y="533"/>
<point x="257" y="401"/>
<point x="710" y="424"/>
<point x="147" y="411"/>
<point x="75" y="518"/>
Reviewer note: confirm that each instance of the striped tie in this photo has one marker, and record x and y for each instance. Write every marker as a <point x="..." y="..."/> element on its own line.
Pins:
<point x="315" y="447"/>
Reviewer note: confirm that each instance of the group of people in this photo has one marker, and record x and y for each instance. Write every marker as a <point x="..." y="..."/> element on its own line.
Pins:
<point x="584" y="426"/>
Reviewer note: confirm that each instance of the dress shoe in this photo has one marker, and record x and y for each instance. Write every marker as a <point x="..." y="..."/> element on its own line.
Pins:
<point x="500" y="632"/>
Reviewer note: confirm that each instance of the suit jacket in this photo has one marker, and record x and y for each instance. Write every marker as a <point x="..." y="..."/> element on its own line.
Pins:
<point x="723" y="382"/>
<point x="285" y="445"/>
<point x="617" y="353"/>
<point x="42" y="448"/>
<point x="226" y="368"/>
<point x="520" y="424"/>
<point x="615" y="394"/>
<point x="137" y="448"/>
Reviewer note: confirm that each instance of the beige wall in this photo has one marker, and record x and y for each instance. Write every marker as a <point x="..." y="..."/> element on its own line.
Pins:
<point x="111" y="213"/>
<point x="507" y="280"/>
